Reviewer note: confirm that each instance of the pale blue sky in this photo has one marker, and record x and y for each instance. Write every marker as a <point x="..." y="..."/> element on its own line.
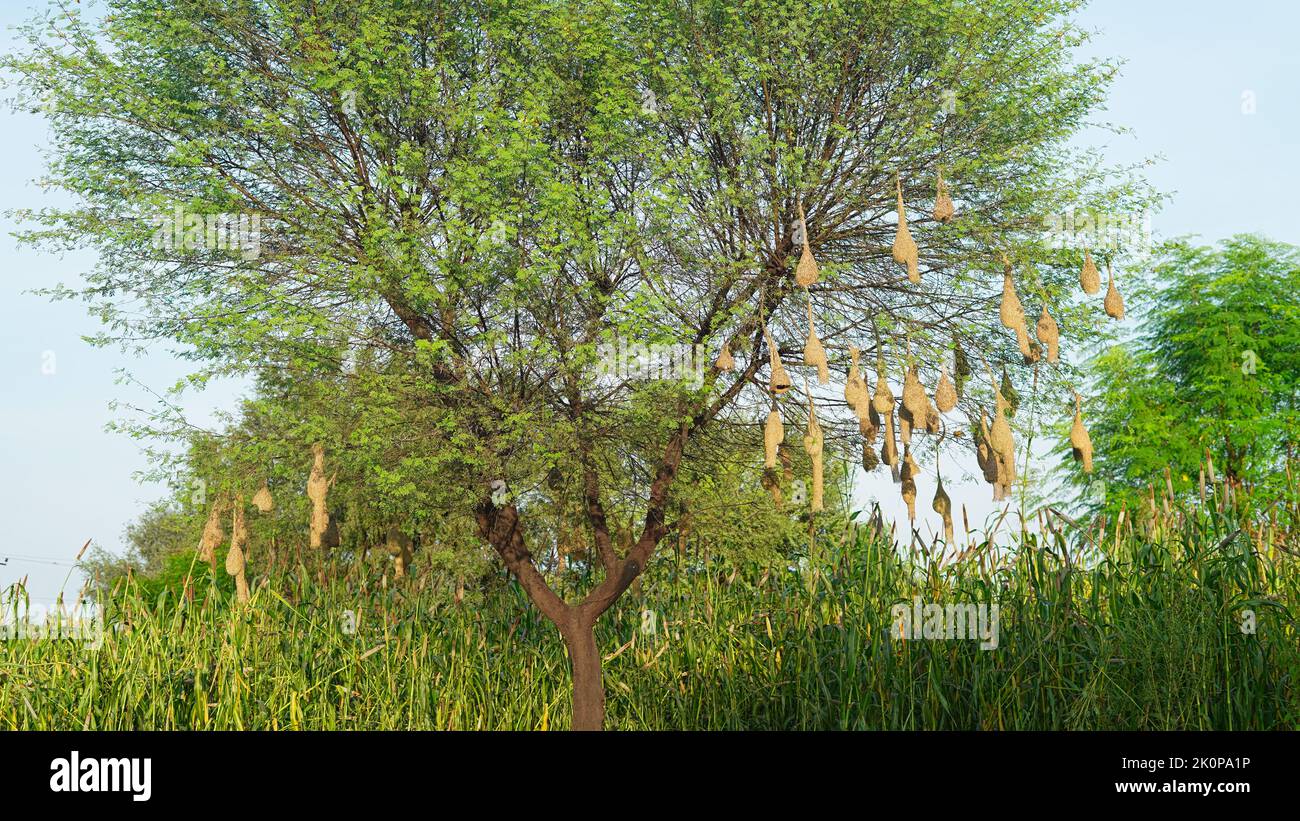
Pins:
<point x="64" y="479"/>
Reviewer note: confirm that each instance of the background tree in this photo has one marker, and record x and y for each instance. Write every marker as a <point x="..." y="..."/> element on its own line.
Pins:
<point x="1213" y="371"/>
<point x="475" y="196"/>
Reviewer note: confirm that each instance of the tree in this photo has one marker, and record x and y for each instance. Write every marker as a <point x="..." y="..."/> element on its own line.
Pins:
<point x="1214" y="372"/>
<point x="478" y="196"/>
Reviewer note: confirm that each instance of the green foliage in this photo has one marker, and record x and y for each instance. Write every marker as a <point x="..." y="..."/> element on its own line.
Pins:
<point x="468" y="198"/>
<point x="1135" y="633"/>
<point x="1215" y="370"/>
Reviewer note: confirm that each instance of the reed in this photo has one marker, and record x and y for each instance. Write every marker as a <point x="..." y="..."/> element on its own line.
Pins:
<point x="1105" y="623"/>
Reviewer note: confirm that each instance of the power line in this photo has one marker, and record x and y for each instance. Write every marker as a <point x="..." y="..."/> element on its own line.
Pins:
<point x="5" y="558"/>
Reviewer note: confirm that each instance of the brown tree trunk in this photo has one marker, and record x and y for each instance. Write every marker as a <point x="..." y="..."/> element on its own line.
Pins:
<point x="588" y="683"/>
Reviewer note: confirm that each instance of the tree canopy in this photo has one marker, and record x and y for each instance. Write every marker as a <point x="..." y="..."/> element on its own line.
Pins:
<point x="1213" y="371"/>
<point x="448" y="208"/>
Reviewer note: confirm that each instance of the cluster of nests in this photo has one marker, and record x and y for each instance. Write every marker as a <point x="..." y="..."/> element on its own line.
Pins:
<point x="323" y="528"/>
<point x="916" y="412"/>
<point x="213" y="535"/>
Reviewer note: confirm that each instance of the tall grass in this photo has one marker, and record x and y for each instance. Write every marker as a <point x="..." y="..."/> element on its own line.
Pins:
<point x="1131" y="628"/>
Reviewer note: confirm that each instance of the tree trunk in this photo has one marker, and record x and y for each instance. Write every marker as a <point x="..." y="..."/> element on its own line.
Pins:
<point x="588" y="686"/>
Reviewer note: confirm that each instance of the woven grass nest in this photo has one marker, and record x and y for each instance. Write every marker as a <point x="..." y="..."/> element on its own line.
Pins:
<point x="905" y="250"/>
<point x="807" y="272"/>
<point x="943" y="206"/>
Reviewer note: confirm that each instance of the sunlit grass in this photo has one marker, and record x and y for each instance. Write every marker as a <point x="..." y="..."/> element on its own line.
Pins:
<point x="1140" y="632"/>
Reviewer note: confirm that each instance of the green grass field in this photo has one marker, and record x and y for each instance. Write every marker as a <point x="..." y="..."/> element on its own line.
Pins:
<point x="1139" y="632"/>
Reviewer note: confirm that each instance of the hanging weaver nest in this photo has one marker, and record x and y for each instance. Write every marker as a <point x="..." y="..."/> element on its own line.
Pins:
<point x="905" y="252"/>
<point x="905" y="420"/>
<point x="1114" y="303"/>
<point x="855" y="387"/>
<point x="869" y="459"/>
<point x="398" y="545"/>
<point x="235" y="557"/>
<point x="1012" y="313"/>
<point x="772" y="484"/>
<point x="813" y="442"/>
<point x="1080" y="442"/>
<point x="882" y="402"/>
<point x="883" y="399"/>
<point x="725" y="362"/>
<point x="1089" y="278"/>
<point x="317" y="489"/>
<point x="213" y="535"/>
<point x="773" y="435"/>
<point x="813" y="352"/>
<point x="870" y="429"/>
<point x="1004" y="450"/>
<point x="1049" y="335"/>
<point x="262" y="499"/>
<point x="787" y="463"/>
<point x="984" y="455"/>
<point x="779" y="381"/>
<point x="889" y="449"/>
<point x="943" y="506"/>
<point x="943" y="207"/>
<point x="961" y="365"/>
<point x="945" y="395"/>
<point x="1009" y="393"/>
<point x="807" y="272"/>
<point x="916" y="404"/>
<point x="908" y="478"/>
<point x="1035" y="353"/>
